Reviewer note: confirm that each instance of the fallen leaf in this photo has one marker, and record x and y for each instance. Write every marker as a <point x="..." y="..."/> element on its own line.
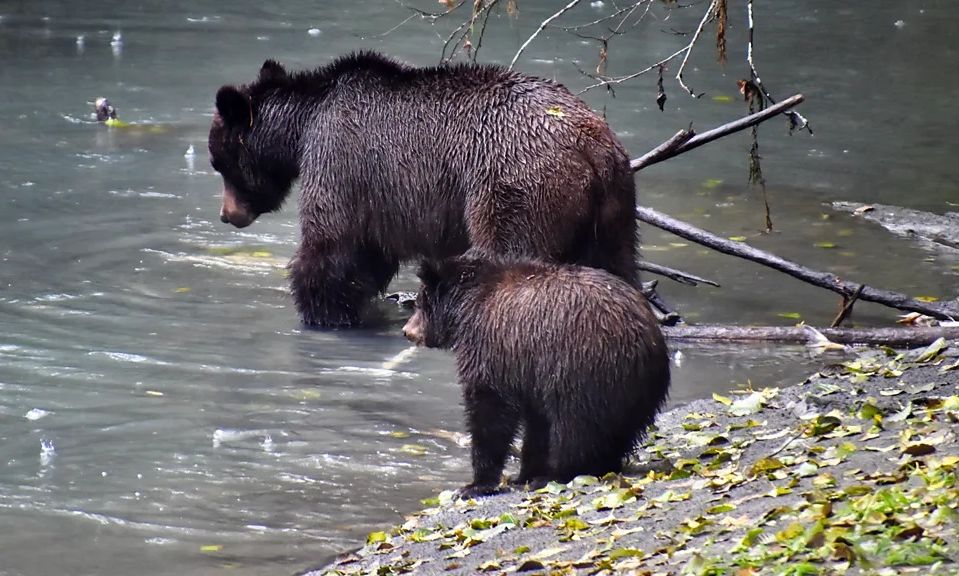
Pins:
<point x="556" y="111"/>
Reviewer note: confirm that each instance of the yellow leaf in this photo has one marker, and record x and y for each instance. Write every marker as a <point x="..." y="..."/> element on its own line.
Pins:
<point x="738" y="238"/>
<point x="722" y="399"/>
<point x="556" y="111"/>
<point x="153" y="393"/>
<point x="722" y="98"/>
<point x="927" y="298"/>
<point x="211" y="548"/>
<point x="712" y="183"/>
<point x="414" y="449"/>
<point x="182" y="290"/>
<point x="825" y="245"/>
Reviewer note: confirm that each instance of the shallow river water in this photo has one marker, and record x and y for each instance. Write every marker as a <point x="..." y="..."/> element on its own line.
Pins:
<point x="161" y="410"/>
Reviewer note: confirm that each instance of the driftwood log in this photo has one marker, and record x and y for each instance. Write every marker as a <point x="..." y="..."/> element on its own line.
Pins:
<point x="898" y="337"/>
<point x="686" y="140"/>
<point x="821" y="279"/>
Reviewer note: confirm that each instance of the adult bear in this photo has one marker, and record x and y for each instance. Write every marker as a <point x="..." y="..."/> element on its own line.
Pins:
<point x="397" y="162"/>
<point x="573" y="354"/>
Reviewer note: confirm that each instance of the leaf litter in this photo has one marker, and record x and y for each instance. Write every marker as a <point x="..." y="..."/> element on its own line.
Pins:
<point x="836" y="475"/>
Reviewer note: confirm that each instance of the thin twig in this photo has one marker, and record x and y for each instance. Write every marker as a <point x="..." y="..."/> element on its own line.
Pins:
<point x="430" y="15"/>
<point x="675" y="275"/>
<point x="603" y="19"/>
<point x="617" y="80"/>
<point x="796" y="120"/>
<point x="689" y="48"/>
<point x="541" y="27"/>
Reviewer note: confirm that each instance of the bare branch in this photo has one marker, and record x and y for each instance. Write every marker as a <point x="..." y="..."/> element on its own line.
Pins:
<point x="675" y="275"/>
<point x="601" y="20"/>
<point x="395" y="28"/>
<point x="686" y="140"/>
<point x="541" y="27"/>
<point x="689" y="48"/>
<point x="796" y="120"/>
<point x="430" y="15"/>
<point x="617" y="80"/>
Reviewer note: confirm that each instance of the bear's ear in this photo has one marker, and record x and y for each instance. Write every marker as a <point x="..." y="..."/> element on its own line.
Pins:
<point x="272" y="71"/>
<point x="234" y="107"/>
<point x="428" y="273"/>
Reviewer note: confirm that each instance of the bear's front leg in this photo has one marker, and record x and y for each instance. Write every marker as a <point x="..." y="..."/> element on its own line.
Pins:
<point x="327" y="290"/>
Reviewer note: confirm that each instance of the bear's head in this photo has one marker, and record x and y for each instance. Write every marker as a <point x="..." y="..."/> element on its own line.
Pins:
<point x="249" y="150"/>
<point x="448" y="295"/>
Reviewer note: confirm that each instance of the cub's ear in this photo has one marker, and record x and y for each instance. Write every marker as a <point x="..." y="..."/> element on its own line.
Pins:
<point x="428" y="273"/>
<point x="234" y="107"/>
<point x="272" y="71"/>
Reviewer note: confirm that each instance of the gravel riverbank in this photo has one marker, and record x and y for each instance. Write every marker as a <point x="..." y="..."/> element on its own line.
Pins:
<point x="853" y="471"/>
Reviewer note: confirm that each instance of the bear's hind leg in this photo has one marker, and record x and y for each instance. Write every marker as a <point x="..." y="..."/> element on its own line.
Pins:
<point x="534" y="461"/>
<point x="582" y="448"/>
<point x="492" y="423"/>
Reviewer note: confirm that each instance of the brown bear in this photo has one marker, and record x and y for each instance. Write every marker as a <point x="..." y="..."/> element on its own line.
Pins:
<point x="397" y="163"/>
<point x="574" y="354"/>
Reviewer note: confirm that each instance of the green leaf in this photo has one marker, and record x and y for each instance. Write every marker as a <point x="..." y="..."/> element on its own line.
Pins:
<point x="932" y="350"/>
<point x="822" y="425"/>
<point x="765" y="466"/>
<point x="376" y="537"/>
<point x="618" y="553"/>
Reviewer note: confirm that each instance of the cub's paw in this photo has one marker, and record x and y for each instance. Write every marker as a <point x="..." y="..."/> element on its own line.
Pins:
<point x="479" y="491"/>
<point x="531" y="484"/>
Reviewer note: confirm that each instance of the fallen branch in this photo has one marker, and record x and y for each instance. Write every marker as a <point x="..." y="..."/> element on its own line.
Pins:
<point x="897" y="337"/>
<point x="847" y="304"/>
<point x="675" y="275"/>
<point x="686" y="140"/>
<point x="821" y="279"/>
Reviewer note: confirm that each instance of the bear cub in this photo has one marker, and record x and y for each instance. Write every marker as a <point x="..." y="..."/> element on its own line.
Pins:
<point x="573" y="354"/>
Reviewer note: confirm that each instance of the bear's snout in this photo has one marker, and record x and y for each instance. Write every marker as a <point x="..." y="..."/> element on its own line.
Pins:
<point x="414" y="330"/>
<point x="233" y="211"/>
<point x="239" y="218"/>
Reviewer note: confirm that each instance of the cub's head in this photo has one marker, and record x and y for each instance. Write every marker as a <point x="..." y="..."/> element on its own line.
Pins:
<point x="447" y="297"/>
<point x="249" y="151"/>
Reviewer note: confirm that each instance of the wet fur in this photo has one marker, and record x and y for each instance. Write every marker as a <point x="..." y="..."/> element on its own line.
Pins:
<point x="397" y="163"/>
<point x="572" y="354"/>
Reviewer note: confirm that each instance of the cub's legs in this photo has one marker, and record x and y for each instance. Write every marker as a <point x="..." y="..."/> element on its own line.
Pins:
<point x="492" y="422"/>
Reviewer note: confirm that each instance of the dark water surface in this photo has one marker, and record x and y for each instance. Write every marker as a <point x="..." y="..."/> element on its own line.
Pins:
<point x="162" y="412"/>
